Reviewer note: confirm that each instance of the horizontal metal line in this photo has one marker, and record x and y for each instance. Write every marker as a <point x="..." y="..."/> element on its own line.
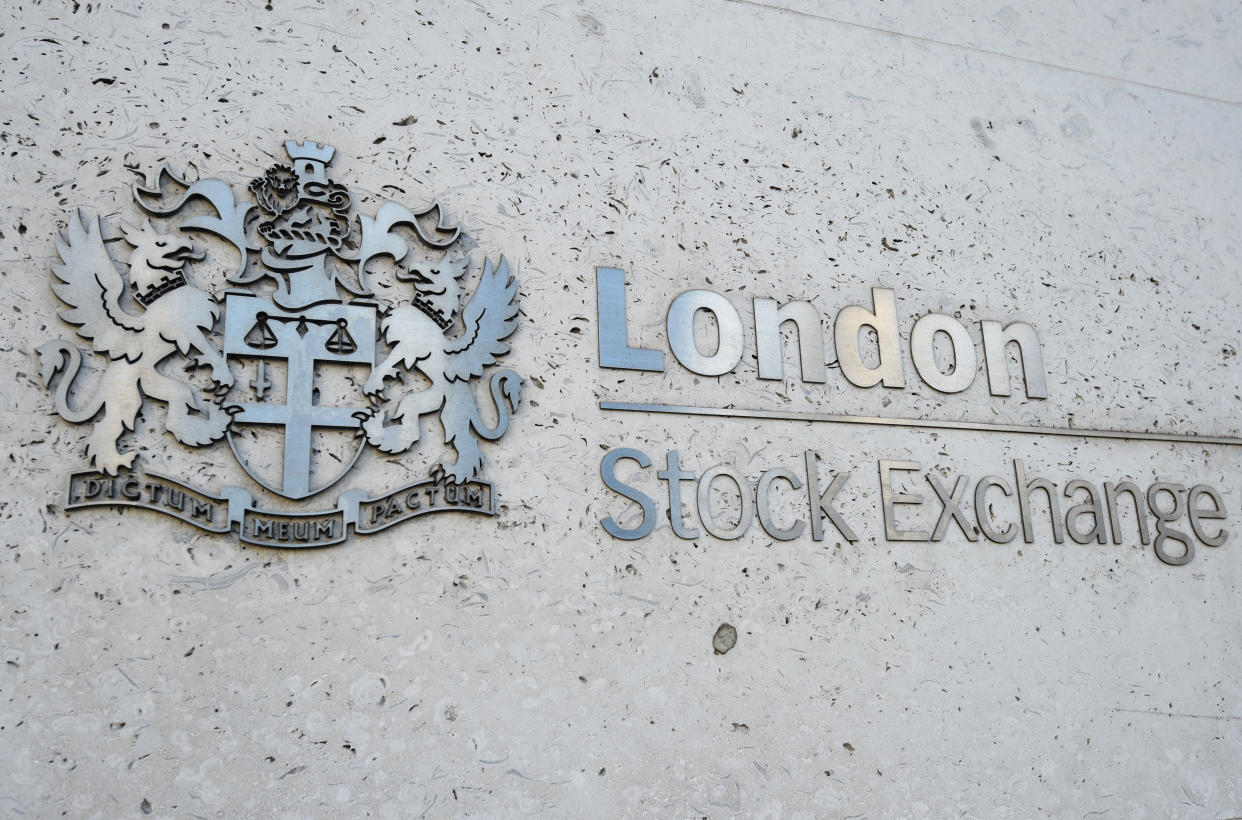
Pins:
<point x="929" y="424"/>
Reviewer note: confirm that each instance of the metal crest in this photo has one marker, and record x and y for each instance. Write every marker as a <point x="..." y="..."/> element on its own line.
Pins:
<point x="318" y="295"/>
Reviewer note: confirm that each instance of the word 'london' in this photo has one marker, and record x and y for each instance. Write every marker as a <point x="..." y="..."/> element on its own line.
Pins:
<point x="615" y="351"/>
<point x="1095" y="515"/>
<point x="301" y="340"/>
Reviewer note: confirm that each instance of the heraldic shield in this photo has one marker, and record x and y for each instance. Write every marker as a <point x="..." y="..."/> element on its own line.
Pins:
<point x="301" y="363"/>
<point x="341" y="330"/>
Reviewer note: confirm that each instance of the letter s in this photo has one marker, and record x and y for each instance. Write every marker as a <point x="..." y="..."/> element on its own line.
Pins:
<point x="607" y="469"/>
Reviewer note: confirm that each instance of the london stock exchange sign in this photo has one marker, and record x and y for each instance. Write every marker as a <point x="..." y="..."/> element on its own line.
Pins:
<point x="294" y="387"/>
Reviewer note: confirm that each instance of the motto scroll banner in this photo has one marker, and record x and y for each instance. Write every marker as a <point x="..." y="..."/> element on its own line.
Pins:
<point x="275" y="528"/>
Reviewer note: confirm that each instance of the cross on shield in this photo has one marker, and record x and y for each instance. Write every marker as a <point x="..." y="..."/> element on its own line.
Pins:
<point x="291" y="363"/>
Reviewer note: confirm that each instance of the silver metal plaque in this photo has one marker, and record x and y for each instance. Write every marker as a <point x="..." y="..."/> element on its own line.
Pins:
<point x="295" y="388"/>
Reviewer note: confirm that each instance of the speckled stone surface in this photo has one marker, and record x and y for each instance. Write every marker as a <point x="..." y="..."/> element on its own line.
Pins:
<point x="1078" y="170"/>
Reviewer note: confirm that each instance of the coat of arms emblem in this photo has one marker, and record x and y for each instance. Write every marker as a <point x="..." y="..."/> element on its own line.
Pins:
<point x="340" y="331"/>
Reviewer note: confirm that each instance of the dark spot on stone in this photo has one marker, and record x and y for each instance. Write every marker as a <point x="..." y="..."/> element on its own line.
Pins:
<point x="724" y="639"/>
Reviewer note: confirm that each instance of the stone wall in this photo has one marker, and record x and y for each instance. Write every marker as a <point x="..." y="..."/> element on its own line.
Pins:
<point x="1074" y="169"/>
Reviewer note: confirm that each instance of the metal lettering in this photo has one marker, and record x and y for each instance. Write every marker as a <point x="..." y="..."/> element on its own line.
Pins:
<point x="607" y="469"/>
<point x="890" y="499"/>
<point x="131" y="488"/>
<point x="202" y="509"/>
<point x="995" y="339"/>
<point x="705" y="503"/>
<point x="763" y="503"/>
<point x="1091" y="507"/>
<point x="681" y="339"/>
<point x="1197" y="515"/>
<point x="1111" y="492"/>
<point x="674" y="475"/>
<point x="1164" y="517"/>
<point x="822" y="504"/>
<point x="850" y="322"/>
<point x="923" y="351"/>
<point x="769" y="318"/>
<point x="614" y="348"/>
<point x="952" y="510"/>
<point x="1024" y="490"/>
<point x="191" y="505"/>
<point x="384" y="510"/>
<point x="982" y="514"/>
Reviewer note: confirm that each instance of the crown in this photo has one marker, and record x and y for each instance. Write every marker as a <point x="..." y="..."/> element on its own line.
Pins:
<point x="433" y="311"/>
<point x="437" y="290"/>
<point x="171" y="281"/>
<point x="309" y="150"/>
